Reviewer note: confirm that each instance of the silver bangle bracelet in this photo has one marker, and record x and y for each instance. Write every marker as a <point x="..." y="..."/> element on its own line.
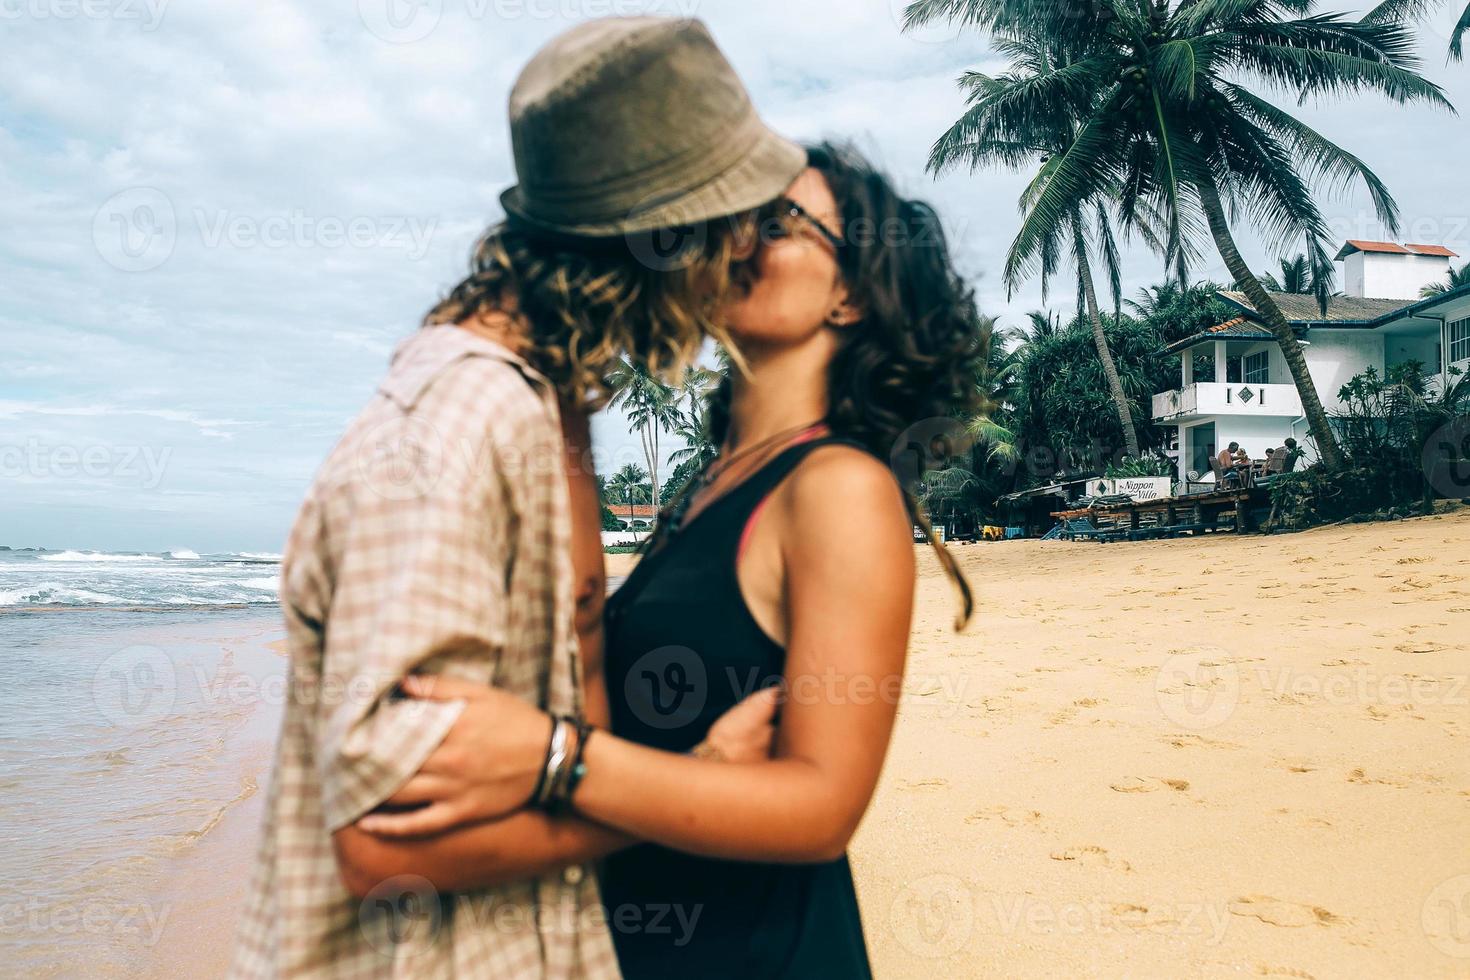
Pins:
<point x="556" y="759"/>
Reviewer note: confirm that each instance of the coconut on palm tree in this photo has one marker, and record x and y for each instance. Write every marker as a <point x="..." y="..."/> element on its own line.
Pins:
<point x="1168" y="118"/>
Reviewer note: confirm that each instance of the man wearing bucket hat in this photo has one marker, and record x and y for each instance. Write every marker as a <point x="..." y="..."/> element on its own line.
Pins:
<point x="438" y="535"/>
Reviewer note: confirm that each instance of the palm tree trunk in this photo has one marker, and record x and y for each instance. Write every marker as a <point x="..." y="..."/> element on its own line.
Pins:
<point x="1110" y="367"/>
<point x="1291" y="348"/>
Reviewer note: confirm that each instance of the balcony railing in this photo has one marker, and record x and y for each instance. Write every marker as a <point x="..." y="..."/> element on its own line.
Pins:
<point x="1216" y="398"/>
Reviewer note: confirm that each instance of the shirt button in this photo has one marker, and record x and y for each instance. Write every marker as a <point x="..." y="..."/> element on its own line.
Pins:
<point x="572" y="875"/>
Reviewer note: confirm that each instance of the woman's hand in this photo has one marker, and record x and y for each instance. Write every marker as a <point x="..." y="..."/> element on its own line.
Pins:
<point x="486" y="767"/>
<point x="490" y="761"/>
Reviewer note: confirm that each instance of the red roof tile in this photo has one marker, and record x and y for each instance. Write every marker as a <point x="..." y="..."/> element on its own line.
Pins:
<point x="1354" y="245"/>
<point x="1432" y="250"/>
<point x="1362" y="246"/>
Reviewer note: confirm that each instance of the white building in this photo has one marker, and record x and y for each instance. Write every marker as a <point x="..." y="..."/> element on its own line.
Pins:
<point x="1234" y="385"/>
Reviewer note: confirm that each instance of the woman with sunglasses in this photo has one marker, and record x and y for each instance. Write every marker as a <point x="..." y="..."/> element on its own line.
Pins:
<point x="788" y="563"/>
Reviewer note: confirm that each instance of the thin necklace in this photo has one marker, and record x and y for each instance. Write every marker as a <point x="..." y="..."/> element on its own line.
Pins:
<point x="720" y="464"/>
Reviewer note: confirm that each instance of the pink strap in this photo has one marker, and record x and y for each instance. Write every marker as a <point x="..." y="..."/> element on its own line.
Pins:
<point x="815" y="432"/>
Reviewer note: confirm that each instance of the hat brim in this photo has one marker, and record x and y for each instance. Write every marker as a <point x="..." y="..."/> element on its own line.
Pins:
<point x="760" y="176"/>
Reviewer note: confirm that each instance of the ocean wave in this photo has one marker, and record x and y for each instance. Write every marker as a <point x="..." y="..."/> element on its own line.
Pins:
<point x="55" y="594"/>
<point x="97" y="556"/>
<point x="184" y="554"/>
<point x="258" y="555"/>
<point x="272" y="584"/>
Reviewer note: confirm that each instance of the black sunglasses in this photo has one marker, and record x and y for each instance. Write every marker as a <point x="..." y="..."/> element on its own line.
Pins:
<point x="791" y="209"/>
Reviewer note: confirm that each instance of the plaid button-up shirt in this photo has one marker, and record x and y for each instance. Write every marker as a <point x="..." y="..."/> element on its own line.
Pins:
<point x="436" y="537"/>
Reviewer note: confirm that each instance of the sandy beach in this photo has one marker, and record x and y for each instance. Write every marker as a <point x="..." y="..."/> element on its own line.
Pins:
<point x="1222" y="757"/>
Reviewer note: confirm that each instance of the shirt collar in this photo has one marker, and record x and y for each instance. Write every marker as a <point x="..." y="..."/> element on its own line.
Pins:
<point x="424" y="356"/>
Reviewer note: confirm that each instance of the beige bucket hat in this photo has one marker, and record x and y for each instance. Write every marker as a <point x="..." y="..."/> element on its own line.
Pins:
<point x="629" y="124"/>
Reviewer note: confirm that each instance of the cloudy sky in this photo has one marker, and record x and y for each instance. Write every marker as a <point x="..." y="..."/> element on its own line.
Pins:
<point x="220" y="215"/>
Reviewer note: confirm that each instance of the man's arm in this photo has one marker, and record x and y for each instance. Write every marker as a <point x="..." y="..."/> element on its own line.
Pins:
<point x="522" y="845"/>
<point x="530" y="843"/>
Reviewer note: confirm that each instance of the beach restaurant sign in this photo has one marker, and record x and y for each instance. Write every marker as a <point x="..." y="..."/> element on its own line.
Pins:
<point x="1137" y="487"/>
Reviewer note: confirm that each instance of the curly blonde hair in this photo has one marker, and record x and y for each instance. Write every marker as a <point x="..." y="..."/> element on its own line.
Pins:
<point x="588" y="302"/>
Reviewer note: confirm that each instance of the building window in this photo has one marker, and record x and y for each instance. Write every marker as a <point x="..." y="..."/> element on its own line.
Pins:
<point x="1258" y="368"/>
<point x="1460" y="341"/>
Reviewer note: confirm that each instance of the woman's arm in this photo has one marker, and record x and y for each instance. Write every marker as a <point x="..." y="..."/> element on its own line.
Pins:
<point x="849" y="607"/>
<point x="527" y="843"/>
<point x="850" y="601"/>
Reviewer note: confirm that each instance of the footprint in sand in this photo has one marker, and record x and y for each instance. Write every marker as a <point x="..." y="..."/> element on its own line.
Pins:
<point x="1300" y="768"/>
<point x="1148" y="784"/>
<point x="1362" y="778"/>
<point x="1421" y="646"/>
<point x="922" y="785"/>
<point x="1091" y="856"/>
<point x="1009" y="815"/>
<point x="1262" y="970"/>
<point x="1199" y="742"/>
<point x="1275" y="912"/>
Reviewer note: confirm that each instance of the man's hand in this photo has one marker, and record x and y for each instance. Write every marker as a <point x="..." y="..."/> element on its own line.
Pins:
<point x="486" y="767"/>
<point x="746" y="732"/>
<point x="490" y="761"/>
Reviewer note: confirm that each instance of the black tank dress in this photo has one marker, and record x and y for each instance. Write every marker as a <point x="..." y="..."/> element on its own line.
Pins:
<point x="682" y="648"/>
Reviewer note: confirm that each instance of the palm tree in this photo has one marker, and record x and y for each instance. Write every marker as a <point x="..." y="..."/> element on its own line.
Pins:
<point x="1044" y="323"/>
<point x="991" y="131"/>
<point x="1400" y="11"/>
<point x="1164" y="120"/>
<point x="1457" y="279"/>
<point x="651" y="406"/>
<point x="1296" y="277"/>
<point x="629" y="485"/>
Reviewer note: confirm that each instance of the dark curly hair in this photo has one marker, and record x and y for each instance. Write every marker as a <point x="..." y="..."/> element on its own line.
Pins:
<point x="905" y="373"/>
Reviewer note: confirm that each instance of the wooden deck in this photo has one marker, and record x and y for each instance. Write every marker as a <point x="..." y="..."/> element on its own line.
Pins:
<point x="1169" y="517"/>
